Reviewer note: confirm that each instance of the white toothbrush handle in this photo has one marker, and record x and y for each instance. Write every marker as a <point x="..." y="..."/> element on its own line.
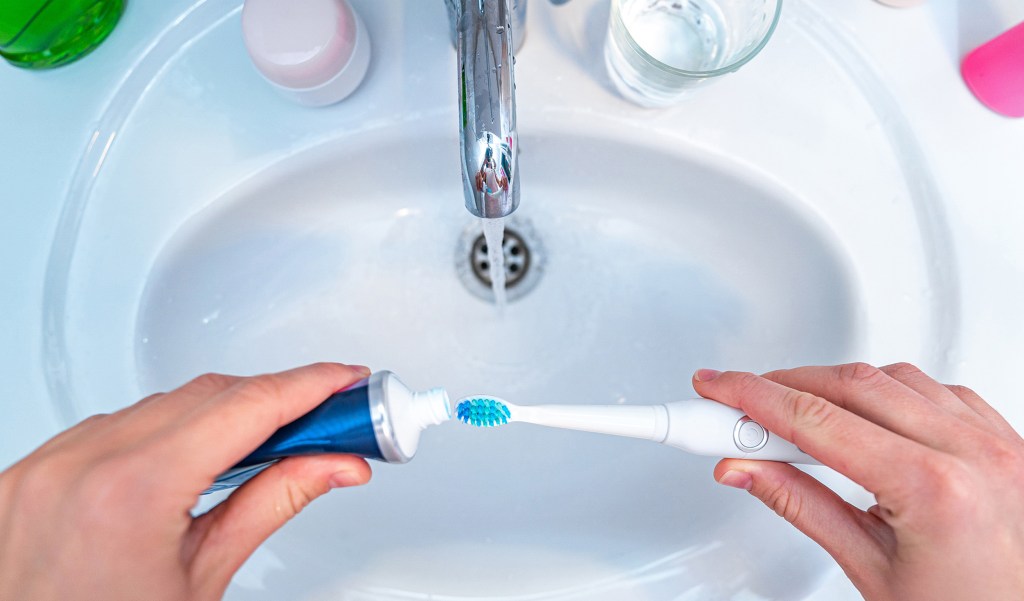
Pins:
<point x="649" y="422"/>
<point x="706" y="427"/>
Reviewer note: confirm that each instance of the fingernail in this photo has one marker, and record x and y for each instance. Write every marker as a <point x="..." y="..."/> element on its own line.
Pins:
<point x="343" y="479"/>
<point x="361" y="369"/>
<point x="737" y="479"/>
<point x="706" y="375"/>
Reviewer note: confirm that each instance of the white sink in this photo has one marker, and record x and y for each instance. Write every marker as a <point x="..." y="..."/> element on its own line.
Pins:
<point x="782" y="217"/>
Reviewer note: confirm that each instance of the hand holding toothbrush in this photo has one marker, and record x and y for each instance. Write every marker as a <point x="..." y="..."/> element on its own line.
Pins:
<point x="101" y="511"/>
<point x="946" y="469"/>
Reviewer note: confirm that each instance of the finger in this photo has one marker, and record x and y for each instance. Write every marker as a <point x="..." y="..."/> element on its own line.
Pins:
<point x="858" y="541"/>
<point x="872" y="394"/>
<point x="983" y="409"/>
<point x="221" y="540"/>
<point x="848" y="443"/>
<point x="915" y="379"/>
<point x="221" y="431"/>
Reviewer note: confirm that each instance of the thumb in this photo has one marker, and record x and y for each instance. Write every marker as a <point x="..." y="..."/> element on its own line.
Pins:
<point x="223" y="538"/>
<point x="854" y="538"/>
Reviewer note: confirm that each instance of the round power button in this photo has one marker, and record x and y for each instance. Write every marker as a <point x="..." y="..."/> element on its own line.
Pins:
<point x="749" y="435"/>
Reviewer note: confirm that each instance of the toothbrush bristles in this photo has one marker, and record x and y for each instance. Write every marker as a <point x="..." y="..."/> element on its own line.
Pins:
<point x="483" y="412"/>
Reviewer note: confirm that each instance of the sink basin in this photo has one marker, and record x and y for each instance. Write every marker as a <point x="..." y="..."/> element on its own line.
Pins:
<point x="644" y="279"/>
<point x="309" y="261"/>
<point x="211" y="226"/>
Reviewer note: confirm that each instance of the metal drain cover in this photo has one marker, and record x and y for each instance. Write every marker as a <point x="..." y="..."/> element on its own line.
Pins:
<point x="517" y="259"/>
<point x="523" y="260"/>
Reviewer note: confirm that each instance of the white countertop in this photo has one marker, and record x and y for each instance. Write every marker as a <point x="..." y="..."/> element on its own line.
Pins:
<point x="975" y="156"/>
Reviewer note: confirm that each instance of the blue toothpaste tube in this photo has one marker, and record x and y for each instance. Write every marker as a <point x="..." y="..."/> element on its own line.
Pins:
<point x="377" y="418"/>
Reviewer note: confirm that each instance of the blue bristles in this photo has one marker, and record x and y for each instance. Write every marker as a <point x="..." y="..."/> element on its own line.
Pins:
<point x="483" y="412"/>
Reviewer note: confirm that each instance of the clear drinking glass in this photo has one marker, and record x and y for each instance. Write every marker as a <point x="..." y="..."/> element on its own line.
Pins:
<point x="658" y="51"/>
<point x="39" y="34"/>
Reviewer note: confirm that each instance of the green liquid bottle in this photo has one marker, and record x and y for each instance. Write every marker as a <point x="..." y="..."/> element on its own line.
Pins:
<point x="39" y="34"/>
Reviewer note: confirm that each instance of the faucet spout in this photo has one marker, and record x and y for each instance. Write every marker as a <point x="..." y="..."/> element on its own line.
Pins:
<point x="486" y="33"/>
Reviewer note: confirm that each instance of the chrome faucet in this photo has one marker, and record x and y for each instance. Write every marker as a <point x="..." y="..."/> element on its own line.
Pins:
<point x="486" y="33"/>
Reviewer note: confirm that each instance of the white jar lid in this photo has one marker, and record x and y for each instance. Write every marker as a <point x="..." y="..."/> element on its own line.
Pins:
<point x="305" y="44"/>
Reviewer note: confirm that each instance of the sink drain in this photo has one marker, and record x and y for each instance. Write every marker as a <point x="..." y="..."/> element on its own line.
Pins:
<point x="517" y="259"/>
<point x="523" y="260"/>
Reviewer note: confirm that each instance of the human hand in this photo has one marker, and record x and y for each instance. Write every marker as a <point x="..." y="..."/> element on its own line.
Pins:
<point x="101" y="511"/>
<point x="946" y="469"/>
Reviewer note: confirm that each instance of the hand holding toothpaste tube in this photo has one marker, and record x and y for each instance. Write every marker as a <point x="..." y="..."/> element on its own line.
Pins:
<point x="101" y="511"/>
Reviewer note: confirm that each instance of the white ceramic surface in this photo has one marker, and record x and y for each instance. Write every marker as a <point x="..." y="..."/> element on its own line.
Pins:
<point x="210" y="225"/>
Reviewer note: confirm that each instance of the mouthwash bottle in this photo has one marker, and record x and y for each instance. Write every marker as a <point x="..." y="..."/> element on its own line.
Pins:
<point x="39" y="34"/>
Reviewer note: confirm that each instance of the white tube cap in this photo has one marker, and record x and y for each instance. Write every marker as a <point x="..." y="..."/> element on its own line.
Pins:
<point x="315" y="51"/>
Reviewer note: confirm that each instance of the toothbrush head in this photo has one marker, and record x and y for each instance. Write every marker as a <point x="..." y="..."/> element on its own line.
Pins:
<point x="483" y="411"/>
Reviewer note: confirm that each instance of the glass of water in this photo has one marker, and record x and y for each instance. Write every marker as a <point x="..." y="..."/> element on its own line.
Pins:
<point x="658" y="51"/>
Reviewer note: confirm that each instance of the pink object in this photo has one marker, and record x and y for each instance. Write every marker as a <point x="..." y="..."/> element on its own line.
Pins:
<point x="994" y="72"/>
<point x="315" y="51"/>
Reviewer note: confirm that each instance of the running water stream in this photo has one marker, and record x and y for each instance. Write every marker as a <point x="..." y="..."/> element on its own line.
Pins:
<point x="494" y="233"/>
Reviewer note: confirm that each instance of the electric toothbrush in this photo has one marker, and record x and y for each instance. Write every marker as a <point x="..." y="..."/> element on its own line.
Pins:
<point x="698" y="426"/>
